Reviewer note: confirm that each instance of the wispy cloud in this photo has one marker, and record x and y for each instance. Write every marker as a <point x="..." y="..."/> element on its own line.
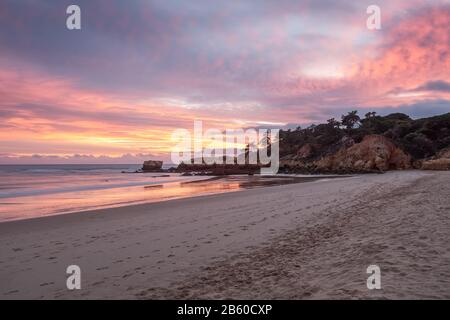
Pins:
<point x="438" y="85"/>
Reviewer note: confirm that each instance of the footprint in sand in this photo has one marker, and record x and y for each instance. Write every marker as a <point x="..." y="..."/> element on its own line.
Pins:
<point x="102" y="268"/>
<point x="11" y="292"/>
<point x="46" y="284"/>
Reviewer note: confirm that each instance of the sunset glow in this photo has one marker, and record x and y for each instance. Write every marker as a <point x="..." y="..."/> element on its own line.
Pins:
<point x="115" y="90"/>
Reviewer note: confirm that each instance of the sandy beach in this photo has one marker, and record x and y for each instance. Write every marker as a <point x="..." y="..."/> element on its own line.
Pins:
<point x="309" y="240"/>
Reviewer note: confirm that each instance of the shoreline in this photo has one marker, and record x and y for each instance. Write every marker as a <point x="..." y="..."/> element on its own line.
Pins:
<point x="299" y="241"/>
<point x="216" y="184"/>
<point x="147" y="205"/>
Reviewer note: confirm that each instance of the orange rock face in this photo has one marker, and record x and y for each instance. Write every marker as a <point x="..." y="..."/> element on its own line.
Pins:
<point x="374" y="153"/>
<point x="441" y="162"/>
<point x="438" y="164"/>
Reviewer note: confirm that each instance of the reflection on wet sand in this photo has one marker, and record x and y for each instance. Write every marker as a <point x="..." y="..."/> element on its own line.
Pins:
<point x="66" y="202"/>
<point x="250" y="182"/>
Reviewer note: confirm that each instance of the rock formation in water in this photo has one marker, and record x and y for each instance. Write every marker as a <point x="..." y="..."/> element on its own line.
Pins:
<point x="152" y="166"/>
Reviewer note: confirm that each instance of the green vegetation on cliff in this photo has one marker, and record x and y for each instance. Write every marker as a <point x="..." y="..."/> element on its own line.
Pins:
<point x="420" y="138"/>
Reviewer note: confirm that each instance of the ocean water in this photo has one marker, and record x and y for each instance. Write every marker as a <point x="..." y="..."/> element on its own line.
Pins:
<point x="28" y="191"/>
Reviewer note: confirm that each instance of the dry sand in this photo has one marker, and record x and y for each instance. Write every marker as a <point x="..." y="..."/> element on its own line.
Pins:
<point x="309" y="240"/>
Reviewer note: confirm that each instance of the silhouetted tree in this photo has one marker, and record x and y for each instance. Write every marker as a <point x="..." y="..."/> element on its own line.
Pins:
<point x="351" y="119"/>
<point x="370" y="115"/>
<point x="333" y="123"/>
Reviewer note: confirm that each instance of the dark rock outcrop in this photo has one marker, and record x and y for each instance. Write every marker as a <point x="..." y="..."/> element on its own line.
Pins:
<point x="152" y="166"/>
<point x="219" y="169"/>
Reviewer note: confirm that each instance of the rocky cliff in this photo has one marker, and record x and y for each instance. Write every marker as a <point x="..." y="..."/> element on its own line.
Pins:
<point x="373" y="153"/>
<point x="372" y="144"/>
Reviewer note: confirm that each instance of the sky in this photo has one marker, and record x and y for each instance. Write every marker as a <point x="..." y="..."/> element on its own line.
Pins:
<point x="114" y="91"/>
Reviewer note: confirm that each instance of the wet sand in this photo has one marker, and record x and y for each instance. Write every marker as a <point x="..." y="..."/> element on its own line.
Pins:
<point x="296" y="241"/>
<point x="120" y="192"/>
